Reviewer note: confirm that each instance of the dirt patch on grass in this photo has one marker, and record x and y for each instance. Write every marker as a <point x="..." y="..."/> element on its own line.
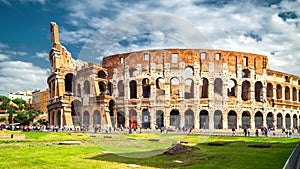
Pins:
<point x="260" y="145"/>
<point x="218" y="143"/>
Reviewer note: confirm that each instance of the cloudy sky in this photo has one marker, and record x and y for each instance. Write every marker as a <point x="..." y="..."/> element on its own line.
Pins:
<point x="270" y="27"/>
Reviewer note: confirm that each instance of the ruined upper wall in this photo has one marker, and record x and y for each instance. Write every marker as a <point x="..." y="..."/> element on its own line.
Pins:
<point x="189" y="57"/>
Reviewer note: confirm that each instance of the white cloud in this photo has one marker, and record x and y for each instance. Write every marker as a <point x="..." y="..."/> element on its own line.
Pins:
<point x="21" y="76"/>
<point x="226" y="26"/>
<point x="3" y="57"/>
<point x="34" y="1"/>
<point x="3" y="45"/>
<point x="43" y="55"/>
<point x="6" y="2"/>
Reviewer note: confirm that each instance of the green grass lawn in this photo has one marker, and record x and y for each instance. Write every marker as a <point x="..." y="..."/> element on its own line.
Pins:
<point x="40" y="150"/>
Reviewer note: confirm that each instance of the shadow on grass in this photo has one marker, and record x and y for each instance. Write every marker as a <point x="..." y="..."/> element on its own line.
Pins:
<point x="191" y="157"/>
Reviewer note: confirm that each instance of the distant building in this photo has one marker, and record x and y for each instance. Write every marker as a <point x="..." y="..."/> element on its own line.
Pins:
<point x="27" y="96"/>
<point x="40" y="100"/>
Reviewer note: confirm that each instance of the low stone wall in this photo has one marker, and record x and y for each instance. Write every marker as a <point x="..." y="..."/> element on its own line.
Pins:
<point x="12" y="136"/>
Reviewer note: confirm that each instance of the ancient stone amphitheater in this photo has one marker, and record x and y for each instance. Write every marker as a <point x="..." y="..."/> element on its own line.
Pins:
<point x="175" y="88"/>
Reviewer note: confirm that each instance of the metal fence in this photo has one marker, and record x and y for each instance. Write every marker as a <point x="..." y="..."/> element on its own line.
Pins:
<point x="294" y="159"/>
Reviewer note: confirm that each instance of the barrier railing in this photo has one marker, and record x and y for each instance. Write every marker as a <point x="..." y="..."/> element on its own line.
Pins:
<point x="293" y="160"/>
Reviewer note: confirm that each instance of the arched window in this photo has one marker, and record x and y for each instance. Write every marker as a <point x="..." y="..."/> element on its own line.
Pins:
<point x="245" y="73"/>
<point x="269" y="90"/>
<point x="204" y="120"/>
<point x="102" y="74"/>
<point x="96" y="118"/>
<point x="232" y="88"/>
<point x="102" y="88"/>
<point x="294" y="94"/>
<point x="204" y="88"/>
<point x="86" y="119"/>
<point x="189" y="119"/>
<point x="68" y="82"/>
<point x="246" y="90"/>
<point x="146" y="88"/>
<point x="279" y="91"/>
<point x="258" y="92"/>
<point x="86" y="87"/>
<point x="174" y="88"/>
<point x="133" y="89"/>
<point x="189" y="89"/>
<point x="188" y="71"/>
<point x="218" y="87"/>
<point x="287" y="93"/>
<point x="218" y="119"/>
<point x="232" y="119"/>
<point x="120" y="88"/>
<point x="78" y="90"/>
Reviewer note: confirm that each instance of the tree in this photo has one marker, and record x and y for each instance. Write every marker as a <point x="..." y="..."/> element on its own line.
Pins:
<point x="26" y="117"/>
<point x="5" y="102"/>
<point x="19" y="101"/>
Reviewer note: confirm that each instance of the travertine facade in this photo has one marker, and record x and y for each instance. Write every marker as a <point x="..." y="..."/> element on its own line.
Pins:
<point x="209" y="89"/>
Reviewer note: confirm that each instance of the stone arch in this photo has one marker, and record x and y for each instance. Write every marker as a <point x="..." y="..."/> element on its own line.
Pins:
<point x="270" y="120"/>
<point x="246" y="119"/>
<point x="76" y="118"/>
<point x="279" y="121"/>
<point x="246" y="91"/>
<point x="286" y="79"/>
<point x="294" y="94"/>
<point x="204" y="119"/>
<point x="278" y="91"/>
<point x="246" y="73"/>
<point x="232" y="88"/>
<point x="86" y="87"/>
<point x="218" y="119"/>
<point x="69" y="82"/>
<point x="175" y="118"/>
<point x="160" y="118"/>
<point x="121" y="88"/>
<point x="58" y="117"/>
<point x="218" y="86"/>
<point x="232" y="119"/>
<point x="110" y="88"/>
<point x="204" y="88"/>
<point x="78" y="92"/>
<point x="146" y="88"/>
<point x="133" y="72"/>
<point x="189" y="89"/>
<point x="102" y="88"/>
<point x="133" y="118"/>
<point x="96" y="118"/>
<point x="189" y="119"/>
<point x="287" y="93"/>
<point x="188" y="71"/>
<point x="102" y="74"/>
<point x="133" y="89"/>
<point x="258" y="120"/>
<point x="270" y="90"/>
<point x="121" y="118"/>
<point x="160" y="86"/>
<point x="258" y="91"/>
<point x="145" y="118"/>
<point x="295" y="121"/>
<point x="174" y="87"/>
<point x="287" y="121"/>
<point x="86" y="119"/>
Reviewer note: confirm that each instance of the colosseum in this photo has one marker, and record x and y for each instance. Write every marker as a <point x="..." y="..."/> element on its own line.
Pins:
<point x="175" y="88"/>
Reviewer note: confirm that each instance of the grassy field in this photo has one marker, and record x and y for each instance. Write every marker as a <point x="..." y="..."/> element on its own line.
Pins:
<point x="40" y="150"/>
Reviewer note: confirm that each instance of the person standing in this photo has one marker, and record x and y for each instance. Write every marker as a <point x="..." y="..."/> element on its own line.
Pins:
<point x="245" y="131"/>
<point x="256" y="132"/>
<point x="248" y="132"/>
